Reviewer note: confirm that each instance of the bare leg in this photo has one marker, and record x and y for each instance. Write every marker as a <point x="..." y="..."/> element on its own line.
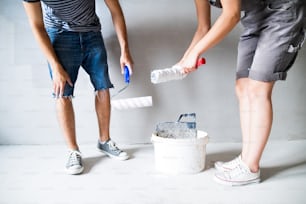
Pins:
<point x="66" y="120"/>
<point x="102" y="103"/>
<point x="256" y="114"/>
<point x="244" y="108"/>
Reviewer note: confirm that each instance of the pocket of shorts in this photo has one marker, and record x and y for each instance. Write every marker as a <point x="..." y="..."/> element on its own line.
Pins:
<point x="285" y="11"/>
<point x="280" y="6"/>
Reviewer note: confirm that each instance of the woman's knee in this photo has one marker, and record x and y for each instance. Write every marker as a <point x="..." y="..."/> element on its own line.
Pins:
<point x="260" y="90"/>
<point x="241" y="88"/>
<point x="252" y="89"/>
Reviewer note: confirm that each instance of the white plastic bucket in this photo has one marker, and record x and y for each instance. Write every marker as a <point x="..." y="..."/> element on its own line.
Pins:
<point x="180" y="156"/>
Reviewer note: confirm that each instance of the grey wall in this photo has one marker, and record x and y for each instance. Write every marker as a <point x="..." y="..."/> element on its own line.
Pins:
<point x="159" y="33"/>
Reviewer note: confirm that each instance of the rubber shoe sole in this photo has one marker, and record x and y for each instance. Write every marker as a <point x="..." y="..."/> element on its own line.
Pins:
<point x="235" y="183"/>
<point x="74" y="171"/>
<point x="121" y="158"/>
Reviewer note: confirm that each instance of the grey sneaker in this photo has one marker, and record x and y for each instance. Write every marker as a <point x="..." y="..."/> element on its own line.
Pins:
<point x="74" y="163"/>
<point x="109" y="148"/>
<point x="240" y="175"/>
<point x="227" y="166"/>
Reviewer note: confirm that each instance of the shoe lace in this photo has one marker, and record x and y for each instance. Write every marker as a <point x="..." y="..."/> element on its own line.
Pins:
<point x="74" y="158"/>
<point x="238" y="170"/>
<point x="113" y="147"/>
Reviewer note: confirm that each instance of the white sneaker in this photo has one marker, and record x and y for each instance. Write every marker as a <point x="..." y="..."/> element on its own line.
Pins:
<point x="227" y="166"/>
<point x="74" y="164"/>
<point x="240" y="175"/>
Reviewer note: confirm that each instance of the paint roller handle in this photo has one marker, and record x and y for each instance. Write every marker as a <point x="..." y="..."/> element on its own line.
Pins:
<point x="200" y="62"/>
<point x="126" y="74"/>
<point x="185" y="115"/>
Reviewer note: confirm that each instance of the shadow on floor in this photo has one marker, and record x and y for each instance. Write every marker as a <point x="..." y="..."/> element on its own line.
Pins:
<point x="269" y="172"/>
<point x="133" y="150"/>
<point x="90" y="162"/>
<point x="220" y="156"/>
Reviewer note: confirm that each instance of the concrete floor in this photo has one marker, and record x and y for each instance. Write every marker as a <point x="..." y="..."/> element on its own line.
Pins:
<point x="35" y="175"/>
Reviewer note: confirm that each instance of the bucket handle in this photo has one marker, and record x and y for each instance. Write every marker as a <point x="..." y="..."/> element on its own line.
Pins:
<point x="191" y="115"/>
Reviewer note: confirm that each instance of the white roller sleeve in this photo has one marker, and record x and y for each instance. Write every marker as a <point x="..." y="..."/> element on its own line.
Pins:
<point x="173" y="73"/>
<point x="168" y="74"/>
<point x="138" y="102"/>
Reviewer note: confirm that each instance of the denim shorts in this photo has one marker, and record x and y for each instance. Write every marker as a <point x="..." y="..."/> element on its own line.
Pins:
<point x="81" y="49"/>
<point x="274" y="31"/>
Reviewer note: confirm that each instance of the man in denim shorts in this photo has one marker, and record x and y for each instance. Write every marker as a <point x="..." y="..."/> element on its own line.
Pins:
<point x="274" y="31"/>
<point x="69" y="34"/>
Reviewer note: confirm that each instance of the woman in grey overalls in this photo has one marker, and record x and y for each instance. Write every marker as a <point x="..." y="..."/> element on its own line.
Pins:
<point x="274" y="31"/>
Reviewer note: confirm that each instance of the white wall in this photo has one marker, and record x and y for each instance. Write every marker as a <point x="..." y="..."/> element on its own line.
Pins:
<point x="159" y="32"/>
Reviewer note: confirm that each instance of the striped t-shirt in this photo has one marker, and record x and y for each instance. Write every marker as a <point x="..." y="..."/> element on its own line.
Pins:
<point x="70" y="15"/>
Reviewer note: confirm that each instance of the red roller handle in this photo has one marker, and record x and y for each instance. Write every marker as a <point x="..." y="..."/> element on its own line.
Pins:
<point x="201" y="61"/>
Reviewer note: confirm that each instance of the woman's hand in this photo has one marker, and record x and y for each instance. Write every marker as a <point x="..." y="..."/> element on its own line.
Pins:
<point x="189" y="63"/>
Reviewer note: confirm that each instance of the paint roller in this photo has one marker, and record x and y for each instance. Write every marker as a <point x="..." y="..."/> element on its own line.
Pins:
<point x="138" y="102"/>
<point x="129" y="103"/>
<point x="173" y="73"/>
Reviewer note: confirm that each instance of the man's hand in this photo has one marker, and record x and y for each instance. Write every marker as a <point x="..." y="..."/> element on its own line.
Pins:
<point x="60" y="78"/>
<point x="126" y="60"/>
